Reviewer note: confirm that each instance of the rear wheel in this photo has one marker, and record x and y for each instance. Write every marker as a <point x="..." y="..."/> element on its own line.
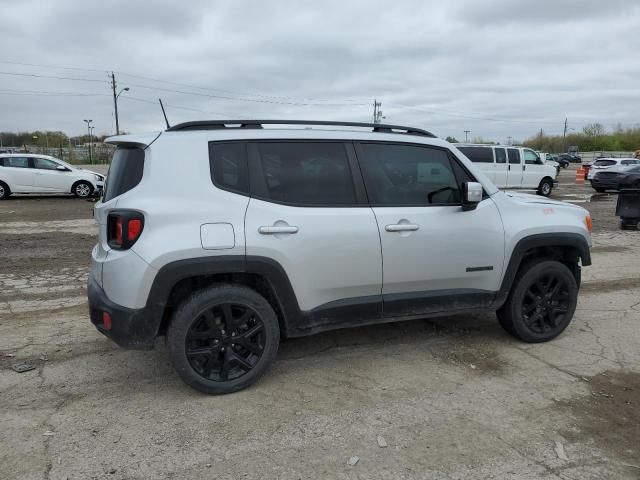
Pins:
<point x="223" y="339"/>
<point x="4" y="191"/>
<point x="542" y="302"/>
<point x="545" y="187"/>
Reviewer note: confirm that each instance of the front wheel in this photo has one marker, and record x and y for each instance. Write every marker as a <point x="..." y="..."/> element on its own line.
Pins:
<point x="82" y="189"/>
<point x="222" y="339"/>
<point x="545" y="187"/>
<point x="542" y="302"/>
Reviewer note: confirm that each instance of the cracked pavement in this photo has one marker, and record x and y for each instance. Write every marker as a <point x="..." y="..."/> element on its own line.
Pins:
<point x="454" y="398"/>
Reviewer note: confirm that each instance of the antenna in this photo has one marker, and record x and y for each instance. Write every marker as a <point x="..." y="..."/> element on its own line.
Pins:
<point x="164" y="113"/>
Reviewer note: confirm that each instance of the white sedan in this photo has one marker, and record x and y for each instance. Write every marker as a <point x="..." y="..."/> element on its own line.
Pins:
<point x="30" y="173"/>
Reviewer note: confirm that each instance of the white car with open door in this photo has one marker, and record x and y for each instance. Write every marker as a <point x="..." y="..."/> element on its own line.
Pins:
<point x="29" y="173"/>
<point x="512" y="167"/>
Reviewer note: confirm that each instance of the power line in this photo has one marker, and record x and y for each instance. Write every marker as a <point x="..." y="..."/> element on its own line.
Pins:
<point x="34" y="75"/>
<point x="309" y="101"/>
<point x="50" y="94"/>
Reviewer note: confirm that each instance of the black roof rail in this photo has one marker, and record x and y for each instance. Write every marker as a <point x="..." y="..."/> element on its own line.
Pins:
<point x="221" y="124"/>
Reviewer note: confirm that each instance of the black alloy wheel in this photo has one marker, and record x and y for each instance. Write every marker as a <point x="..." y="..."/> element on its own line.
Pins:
<point x="541" y="302"/>
<point x="545" y="304"/>
<point x="225" y="342"/>
<point x="223" y="338"/>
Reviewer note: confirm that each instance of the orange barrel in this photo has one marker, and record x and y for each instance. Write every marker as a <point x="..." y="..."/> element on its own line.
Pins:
<point x="580" y="175"/>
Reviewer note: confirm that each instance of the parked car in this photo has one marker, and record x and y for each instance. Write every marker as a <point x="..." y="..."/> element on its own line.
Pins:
<point x="29" y="173"/>
<point x="616" y="179"/>
<point x="512" y="167"/>
<point x="563" y="162"/>
<point x="258" y="234"/>
<point x="620" y="164"/>
<point x="571" y="158"/>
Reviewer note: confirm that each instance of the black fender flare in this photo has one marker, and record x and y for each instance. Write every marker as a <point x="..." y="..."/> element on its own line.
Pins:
<point x="574" y="240"/>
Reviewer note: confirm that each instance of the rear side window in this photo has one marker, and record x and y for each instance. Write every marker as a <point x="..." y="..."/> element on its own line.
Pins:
<point x="125" y="172"/>
<point x="309" y="173"/>
<point x="408" y="175"/>
<point x="604" y="163"/>
<point x="514" y="156"/>
<point x="228" y="165"/>
<point x="478" y="154"/>
<point x="501" y="156"/>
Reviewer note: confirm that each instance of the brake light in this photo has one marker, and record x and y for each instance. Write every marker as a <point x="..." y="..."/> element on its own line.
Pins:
<point x="124" y="227"/>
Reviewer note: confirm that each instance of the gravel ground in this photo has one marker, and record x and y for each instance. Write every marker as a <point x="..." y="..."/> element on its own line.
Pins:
<point x="452" y="398"/>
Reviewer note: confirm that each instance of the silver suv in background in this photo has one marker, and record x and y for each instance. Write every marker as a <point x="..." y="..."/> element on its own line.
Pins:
<point x="226" y="236"/>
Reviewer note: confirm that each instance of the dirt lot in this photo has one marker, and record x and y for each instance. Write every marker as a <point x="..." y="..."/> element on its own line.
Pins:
<point x="453" y="398"/>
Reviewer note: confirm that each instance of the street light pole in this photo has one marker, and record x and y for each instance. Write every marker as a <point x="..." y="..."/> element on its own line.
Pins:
<point x="115" y="100"/>
<point x="88" y="122"/>
<point x="466" y="135"/>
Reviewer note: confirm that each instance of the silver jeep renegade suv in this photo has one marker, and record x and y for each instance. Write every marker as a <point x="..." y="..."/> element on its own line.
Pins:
<point x="226" y="236"/>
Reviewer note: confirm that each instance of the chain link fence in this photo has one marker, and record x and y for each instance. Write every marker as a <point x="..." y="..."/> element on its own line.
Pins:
<point x="79" y="155"/>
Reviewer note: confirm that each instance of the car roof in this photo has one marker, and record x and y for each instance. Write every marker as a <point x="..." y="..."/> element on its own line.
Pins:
<point x="30" y="155"/>
<point x="487" y="145"/>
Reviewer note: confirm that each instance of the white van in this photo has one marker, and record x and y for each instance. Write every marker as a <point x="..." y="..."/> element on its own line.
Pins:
<point x="512" y="167"/>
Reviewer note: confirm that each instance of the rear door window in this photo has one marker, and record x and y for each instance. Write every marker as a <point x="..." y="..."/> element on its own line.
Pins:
<point x="304" y="173"/>
<point x="478" y="154"/>
<point x="16" y="162"/>
<point x="125" y="172"/>
<point x="604" y="163"/>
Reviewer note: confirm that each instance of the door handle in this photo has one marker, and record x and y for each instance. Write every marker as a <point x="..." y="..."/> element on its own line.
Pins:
<point x="402" y="227"/>
<point x="524" y="167"/>
<point x="277" y="229"/>
<point x="509" y="168"/>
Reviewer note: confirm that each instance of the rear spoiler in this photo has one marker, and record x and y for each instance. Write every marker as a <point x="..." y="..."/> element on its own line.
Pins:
<point x="140" y="141"/>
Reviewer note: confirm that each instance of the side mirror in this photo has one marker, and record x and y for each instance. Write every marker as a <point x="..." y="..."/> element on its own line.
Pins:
<point x="62" y="168"/>
<point x="471" y="195"/>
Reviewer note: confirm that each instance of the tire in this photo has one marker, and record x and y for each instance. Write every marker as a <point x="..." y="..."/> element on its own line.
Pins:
<point x="529" y="314"/>
<point x="200" y="325"/>
<point x="82" y="189"/>
<point x="4" y="191"/>
<point x="546" y="187"/>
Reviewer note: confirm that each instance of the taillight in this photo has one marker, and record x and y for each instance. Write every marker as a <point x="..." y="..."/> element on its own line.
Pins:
<point x="124" y="228"/>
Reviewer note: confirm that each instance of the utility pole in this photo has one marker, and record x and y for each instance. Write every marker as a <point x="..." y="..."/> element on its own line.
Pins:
<point x="377" y="113"/>
<point x="509" y="140"/>
<point x="466" y="135"/>
<point x="564" y="136"/>
<point x="88" y="122"/>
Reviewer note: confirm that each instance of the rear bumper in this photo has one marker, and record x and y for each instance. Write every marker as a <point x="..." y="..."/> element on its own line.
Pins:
<point x="608" y="184"/>
<point x="130" y="328"/>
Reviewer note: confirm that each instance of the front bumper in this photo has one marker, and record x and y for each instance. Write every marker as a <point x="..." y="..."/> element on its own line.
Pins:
<point x="130" y="328"/>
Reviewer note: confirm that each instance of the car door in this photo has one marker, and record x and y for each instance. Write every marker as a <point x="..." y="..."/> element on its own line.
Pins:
<point x="308" y="213"/>
<point x="47" y="177"/>
<point x="501" y="167"/>
<point x="436" y="256"/>
<point x="532" y="170"/>
<point x="17" y="172"/>
<point x="514" y="170"/>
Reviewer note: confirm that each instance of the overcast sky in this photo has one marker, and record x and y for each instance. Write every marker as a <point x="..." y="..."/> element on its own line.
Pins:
<point x="498" y="68"/>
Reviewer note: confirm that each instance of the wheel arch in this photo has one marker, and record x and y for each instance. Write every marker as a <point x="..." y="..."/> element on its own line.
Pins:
<point x="567" y="248"/>
<point x="82" y="180"/>
<point x="178" y="279"/>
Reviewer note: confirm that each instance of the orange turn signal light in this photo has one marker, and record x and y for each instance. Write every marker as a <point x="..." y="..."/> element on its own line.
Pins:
<point x="588" y="223"/>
